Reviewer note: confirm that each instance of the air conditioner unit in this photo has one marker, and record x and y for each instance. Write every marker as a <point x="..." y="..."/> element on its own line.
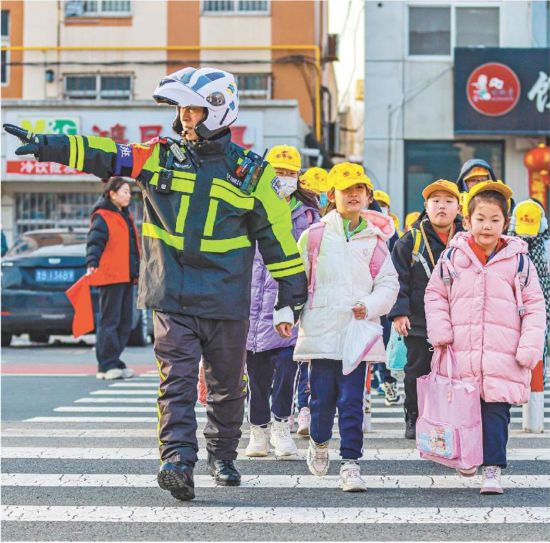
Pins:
<point x="332" y="49"/>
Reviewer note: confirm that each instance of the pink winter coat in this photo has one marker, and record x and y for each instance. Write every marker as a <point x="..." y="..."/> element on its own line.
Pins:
<point x="479" y="317"/>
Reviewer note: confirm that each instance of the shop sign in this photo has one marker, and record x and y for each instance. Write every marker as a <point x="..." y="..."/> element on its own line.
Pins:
<point x="502" y="91"/>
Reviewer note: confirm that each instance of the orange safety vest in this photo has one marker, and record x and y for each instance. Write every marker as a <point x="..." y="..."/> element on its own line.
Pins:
<point x="114" y="267"/>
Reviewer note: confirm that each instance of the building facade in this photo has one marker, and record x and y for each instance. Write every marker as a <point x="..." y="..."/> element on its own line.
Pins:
<point x="90" y="66"/>
<point x="431" y="71"/>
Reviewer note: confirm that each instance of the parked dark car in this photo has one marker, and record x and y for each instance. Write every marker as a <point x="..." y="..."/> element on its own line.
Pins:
<point x="37" y="270"/>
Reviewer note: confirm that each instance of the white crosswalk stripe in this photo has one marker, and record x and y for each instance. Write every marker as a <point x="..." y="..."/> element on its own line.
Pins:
<point x="278" y="515"/>
<point x="136" y="453"/>
<point x="85" y="454"/>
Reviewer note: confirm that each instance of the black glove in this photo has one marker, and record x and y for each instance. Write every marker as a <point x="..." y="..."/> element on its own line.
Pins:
<point x="30" y="141"/>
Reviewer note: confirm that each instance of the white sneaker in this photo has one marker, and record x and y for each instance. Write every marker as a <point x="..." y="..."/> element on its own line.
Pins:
<point x="317" y="458"/>
<point x="259" y="444"/>
<point x="304" y="418"/>
<point x="282" y="440"/>
<point x="291" y="425"/>
<point x="391" y="396"/>
<point x="109" y="375"/>
<point x="350" y="477"/>
<point x="127" y="373"/>
<point x="491" y="480"/>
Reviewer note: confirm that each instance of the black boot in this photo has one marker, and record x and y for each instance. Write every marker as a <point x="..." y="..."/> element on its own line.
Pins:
<point x="224" y="472"/>
<point x="177" y="477"/>
<point x="410" y="425"/>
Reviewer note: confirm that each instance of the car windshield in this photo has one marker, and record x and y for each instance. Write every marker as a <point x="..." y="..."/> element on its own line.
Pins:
<point x="33" y="241"/>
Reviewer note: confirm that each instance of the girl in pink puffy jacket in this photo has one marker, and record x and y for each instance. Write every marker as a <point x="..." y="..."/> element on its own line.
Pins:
<point x="485" y="300"/>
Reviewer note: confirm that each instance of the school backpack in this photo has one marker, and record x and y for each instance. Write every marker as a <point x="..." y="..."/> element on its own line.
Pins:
<point x="448" y="274"/>
<point x="315" y="237"/>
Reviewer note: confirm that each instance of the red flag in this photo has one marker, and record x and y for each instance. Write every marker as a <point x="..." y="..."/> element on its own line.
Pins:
<point x="80" y="296"/>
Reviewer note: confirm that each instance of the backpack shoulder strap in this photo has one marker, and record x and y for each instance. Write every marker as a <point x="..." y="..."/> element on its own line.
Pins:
<point x="314" y="239"/>
<point x="378" y="257"/>
<point x="418" y="245"/>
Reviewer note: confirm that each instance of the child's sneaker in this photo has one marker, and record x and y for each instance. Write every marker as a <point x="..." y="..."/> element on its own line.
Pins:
<point x="317" y="458"/>
<point x="258" y="445"/>
<point x="491" y="480"/>
<point x="350" y="477"/>
<point x="291" y="425"/>
<point x="390" y="393"/>
<point x="304" y="418"/>
<point x="282" y="440"/>
<point x="470" y="472"/>
<point x="379" y="390"/>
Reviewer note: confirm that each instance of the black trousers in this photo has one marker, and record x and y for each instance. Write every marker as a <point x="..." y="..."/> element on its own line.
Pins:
<point x="419" y="358"/>
<point x="114" y="326"/>
<point x="180" y="341"/>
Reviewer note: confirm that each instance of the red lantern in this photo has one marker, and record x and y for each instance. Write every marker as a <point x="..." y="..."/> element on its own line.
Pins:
<point x="537" y="162"/>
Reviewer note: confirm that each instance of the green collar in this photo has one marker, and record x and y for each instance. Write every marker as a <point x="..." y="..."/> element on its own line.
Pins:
<point x="360" y="227"/>
<point x="294" y="203"/>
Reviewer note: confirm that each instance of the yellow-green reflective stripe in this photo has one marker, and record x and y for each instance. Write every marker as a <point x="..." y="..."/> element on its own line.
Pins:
<point x="284" y="265"/>
<point x="236" y="201"/>
<point x="230" y="188"/>
<point x="103" y="144"/>
<point x="153" y="161"/>
<point x="80" y="153"/>
<point x="211" y="217"/>
<point x="277" y="211"/>
<point x="185" y="175"/>
<point x="286" y="273"/>
<point x="224" y="245"/>
<point x="153" y="231"/>
<point x="154" y="179"/>
<point x="72" y="152"/>
<point x="183" y="185"/>
<point x="182" y="213"/>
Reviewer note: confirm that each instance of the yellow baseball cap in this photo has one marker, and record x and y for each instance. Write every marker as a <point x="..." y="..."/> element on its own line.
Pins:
<point x="528" y="216"/>
<point x="441" y="184"/>
<point x="285" y="156"/>
<point x="477" y="171"/>
<point x="382" y="197"/>
<point x="314" y="179"/>
<point x="497" y="186"/>
<point x="346" y="174"/>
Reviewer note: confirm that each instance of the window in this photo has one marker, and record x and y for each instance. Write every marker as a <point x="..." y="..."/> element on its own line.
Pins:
<point x="236" y="6"/>
<point x="61" y="210"/>
<point x="435" y="30"/>
<point x="429" y="31"/>
<point x="98" y="8"/>
<point x="426" y="161"/>
<point x="254" y="85"/>
<point x="477" y="27"/>
<point x="5" y="42"/>
<point x="98" y="87"/>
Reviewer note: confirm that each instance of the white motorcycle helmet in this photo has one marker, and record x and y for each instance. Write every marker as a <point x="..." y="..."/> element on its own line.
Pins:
<point x="210" y="88"/>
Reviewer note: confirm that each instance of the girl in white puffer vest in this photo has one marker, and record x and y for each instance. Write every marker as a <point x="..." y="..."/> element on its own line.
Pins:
<point x="345" y="287"/>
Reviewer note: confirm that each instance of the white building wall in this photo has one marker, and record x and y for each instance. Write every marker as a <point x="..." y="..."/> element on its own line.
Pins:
<point x="412" y="98"/>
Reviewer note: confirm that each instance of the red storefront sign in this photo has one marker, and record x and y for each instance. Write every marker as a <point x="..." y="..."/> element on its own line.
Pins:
<point x="493" y="89"/>
<point x="33" y="167"/>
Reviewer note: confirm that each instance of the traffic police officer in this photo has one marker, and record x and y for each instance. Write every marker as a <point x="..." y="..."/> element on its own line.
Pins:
<point x="207" y="202"/>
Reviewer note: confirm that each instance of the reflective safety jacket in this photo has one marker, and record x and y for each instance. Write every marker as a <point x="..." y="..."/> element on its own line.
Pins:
<point x="198" y="227"/>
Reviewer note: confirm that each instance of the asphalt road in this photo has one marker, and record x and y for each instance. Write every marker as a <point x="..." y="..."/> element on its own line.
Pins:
<point x="79" y="463"/>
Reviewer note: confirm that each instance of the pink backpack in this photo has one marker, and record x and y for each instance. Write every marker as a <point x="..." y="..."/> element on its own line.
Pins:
<point x="315" y="237"/>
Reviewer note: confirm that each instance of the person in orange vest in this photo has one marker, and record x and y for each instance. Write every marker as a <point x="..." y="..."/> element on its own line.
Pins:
<point x="112" y="258"/>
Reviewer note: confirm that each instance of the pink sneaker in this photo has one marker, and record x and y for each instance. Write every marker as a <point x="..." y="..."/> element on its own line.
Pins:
<point x="291" y="425"/>
<point x="470" y="472"/>
<point x="491" y="481"/>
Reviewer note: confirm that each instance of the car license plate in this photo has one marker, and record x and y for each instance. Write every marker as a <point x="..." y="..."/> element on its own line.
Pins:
<point x="53" y="275"/>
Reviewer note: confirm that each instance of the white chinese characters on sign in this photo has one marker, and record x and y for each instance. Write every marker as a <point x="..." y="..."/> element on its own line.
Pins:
<point x="539" y="92"/>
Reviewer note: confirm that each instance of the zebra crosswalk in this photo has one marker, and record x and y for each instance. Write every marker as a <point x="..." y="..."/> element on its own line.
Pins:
<point x="87" y="471"/>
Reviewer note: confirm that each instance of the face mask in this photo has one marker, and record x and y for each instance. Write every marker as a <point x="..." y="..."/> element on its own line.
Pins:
<point x="385" y="211"/>
<point x="286" y="186"/>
